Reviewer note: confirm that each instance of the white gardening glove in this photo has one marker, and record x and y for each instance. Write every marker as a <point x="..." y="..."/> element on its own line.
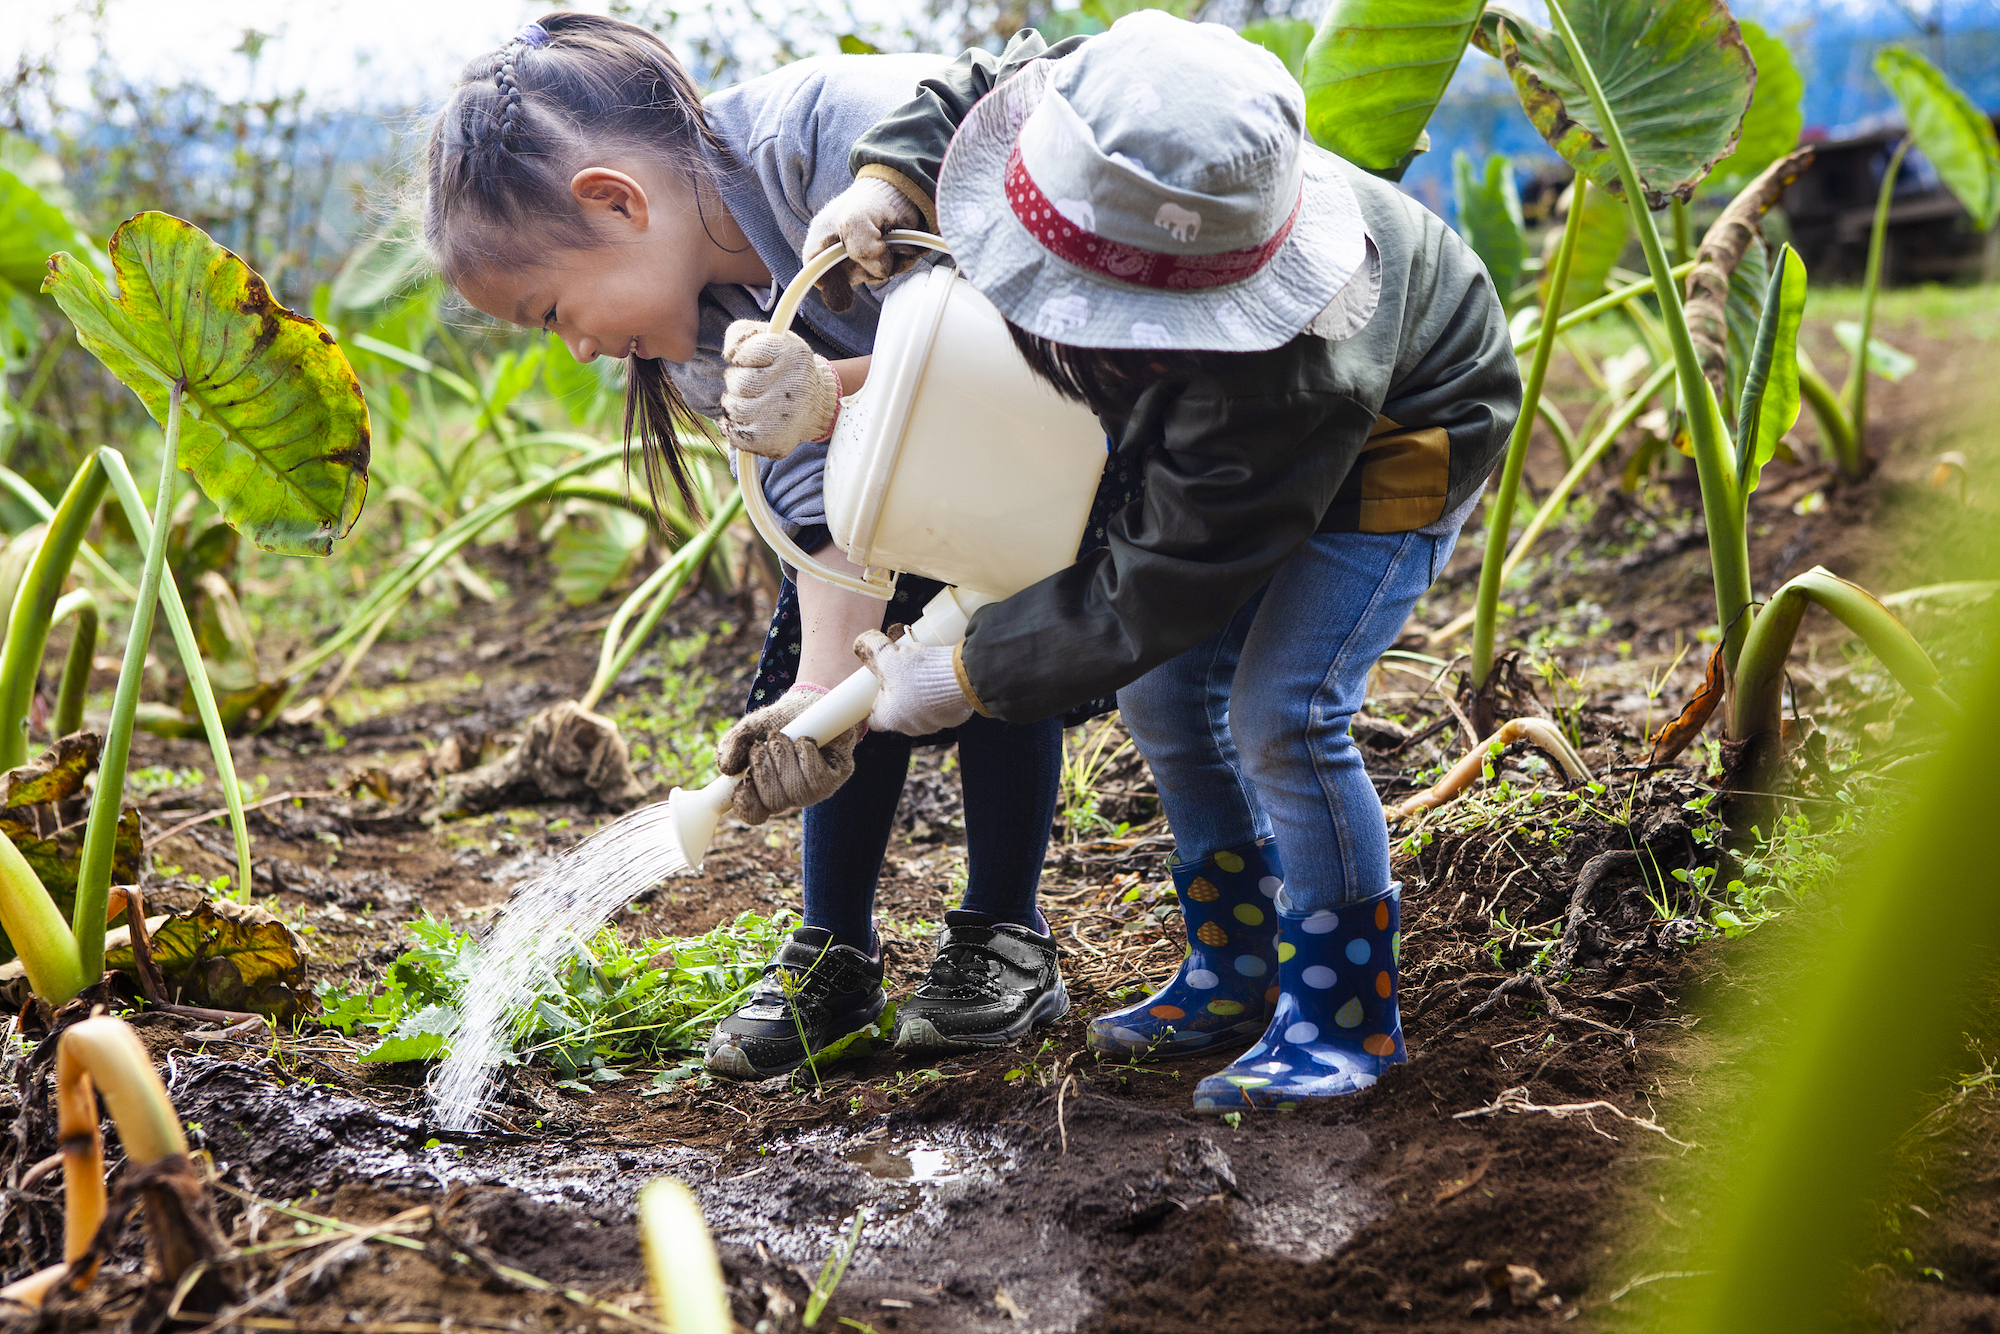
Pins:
<point x="857" y="217"/>
<point x="777" y="392"/>
<point x="920" y="692"/>
<point x="782" y="773"/>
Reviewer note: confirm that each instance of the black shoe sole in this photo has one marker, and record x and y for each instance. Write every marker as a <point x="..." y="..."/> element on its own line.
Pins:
<point x="918" y="1034"/>
<point x="732" y="1062"/>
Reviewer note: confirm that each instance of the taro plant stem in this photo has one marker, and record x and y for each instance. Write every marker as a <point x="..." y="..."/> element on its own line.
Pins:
<point x="93" y="875"/>
<point x="34" y="606"/>
<point x="1857" y="380"/>
<point x="1722" y="507"/>
<point x="1500" y="514"/>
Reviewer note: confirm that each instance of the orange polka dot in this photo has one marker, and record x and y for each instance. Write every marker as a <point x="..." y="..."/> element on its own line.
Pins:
<point x="1211" y="934"/>
<point x="1203" y="891"/>
<point x="1382" y="915"/>
<point x="1167" y="1012"/>
<point x="1271" y="995"/>
<point x="1379" y="1044"/>
<point x="1383" y="985"/>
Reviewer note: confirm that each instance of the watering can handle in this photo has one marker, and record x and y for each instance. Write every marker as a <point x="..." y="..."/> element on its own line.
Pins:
<point x="883" y="585"/>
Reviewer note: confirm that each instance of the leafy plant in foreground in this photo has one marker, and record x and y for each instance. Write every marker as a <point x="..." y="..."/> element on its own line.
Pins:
<point x="260" y="405"/>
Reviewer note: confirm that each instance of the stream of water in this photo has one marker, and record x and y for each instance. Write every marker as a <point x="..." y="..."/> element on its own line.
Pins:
<point x="536" y="934"/>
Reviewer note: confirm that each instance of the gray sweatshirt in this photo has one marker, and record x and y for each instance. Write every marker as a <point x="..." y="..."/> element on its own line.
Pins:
<point x="791" y="131"/>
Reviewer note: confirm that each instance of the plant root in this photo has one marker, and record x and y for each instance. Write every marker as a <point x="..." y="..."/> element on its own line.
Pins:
<point x="1540" y="732"/>
<point x="1516" y="1101"/>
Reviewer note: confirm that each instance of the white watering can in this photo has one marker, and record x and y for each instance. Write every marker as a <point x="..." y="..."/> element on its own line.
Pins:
<point x="954" y="462"/>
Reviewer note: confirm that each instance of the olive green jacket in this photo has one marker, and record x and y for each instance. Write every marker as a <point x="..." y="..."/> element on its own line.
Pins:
<point x="1383" y="432"/>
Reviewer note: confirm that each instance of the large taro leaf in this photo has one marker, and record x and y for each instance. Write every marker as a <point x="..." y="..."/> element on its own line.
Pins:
<point x="1675" y="73"/>
<point x="1771" y="126"/>
<point x="228" y="956"/>
<point x="1953" y="133"/>
<point x="1374" y="74"/>
<point x="1489" y="217"/>
<point x="275" y="430"/>
<point x="1287" y="39"/>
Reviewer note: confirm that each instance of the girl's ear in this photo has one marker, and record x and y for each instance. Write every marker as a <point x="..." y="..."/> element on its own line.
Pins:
<point x="610" y="194"/>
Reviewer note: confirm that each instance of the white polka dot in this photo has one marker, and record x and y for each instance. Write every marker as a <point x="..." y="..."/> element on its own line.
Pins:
<point x="1255" y="1052"/>
<point x="1358" y="951"/>
<point x="1273" y="1068"/>
<point x="1320" y="923"/>
<point x="1128" y="1035"/>
<point x="1302" y="1032"/>
<point x="1203" y="980"/>
<point x="1250" y="965"/>
<point x="1325" y="1057"/>
<point x="1317" y="977"/>
<point x="1269" y="886"/>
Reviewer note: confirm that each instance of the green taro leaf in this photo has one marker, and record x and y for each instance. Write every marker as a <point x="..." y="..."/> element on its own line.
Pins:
<point x="34" y="214"/>
<point x="1771" y="126"/>
<point x="275" y="428"/>
<point x="1606" y="225"/>
<point x="1954" y="134"/>
<point x="1749" y="288"/>
<point x="1891" y="363"/>
<point x="1770" y="403"/>
<point x="1489" y="217"/>
<point x="1287" y="39"/>
<point x="1675" y="73"/>
<point x="594" y="546"/>
<point x="1374" y="74"/>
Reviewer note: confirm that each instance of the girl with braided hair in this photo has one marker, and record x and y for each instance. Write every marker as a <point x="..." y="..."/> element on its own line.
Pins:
<point x="577" y="182"/>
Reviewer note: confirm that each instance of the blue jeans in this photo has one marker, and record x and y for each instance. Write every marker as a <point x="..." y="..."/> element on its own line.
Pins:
<point x="1246" y="732"/>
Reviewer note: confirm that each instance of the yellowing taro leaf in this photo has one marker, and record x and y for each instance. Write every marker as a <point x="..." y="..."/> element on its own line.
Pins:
<point x="56" y="774"/>
<point x="229" y="956"/>
<point x="1675" y="74"/>
<point x="275" y="430"/>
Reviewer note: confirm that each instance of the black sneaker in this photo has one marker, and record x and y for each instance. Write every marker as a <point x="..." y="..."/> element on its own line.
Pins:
<point x="813" y="993"/>
<point x="990" y="983"/>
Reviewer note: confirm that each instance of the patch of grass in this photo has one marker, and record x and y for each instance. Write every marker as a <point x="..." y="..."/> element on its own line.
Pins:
<point x="614" y="1005"/>
<point x="672" y="734"/>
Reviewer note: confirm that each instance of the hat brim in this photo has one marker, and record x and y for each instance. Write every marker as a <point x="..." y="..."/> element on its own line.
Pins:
<point x="1057" y="300"/>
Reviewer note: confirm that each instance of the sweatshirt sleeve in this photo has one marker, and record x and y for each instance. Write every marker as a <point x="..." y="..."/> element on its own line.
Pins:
<point x="906" y="147"/>
<point x="1240" y="480"/>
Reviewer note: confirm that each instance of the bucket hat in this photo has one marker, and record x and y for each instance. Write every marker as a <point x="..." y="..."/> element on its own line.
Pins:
<point x="1154" y="189"/>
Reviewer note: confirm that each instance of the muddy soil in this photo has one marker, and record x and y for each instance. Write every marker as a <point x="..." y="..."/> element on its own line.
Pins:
<point x="1031" y="1189"/>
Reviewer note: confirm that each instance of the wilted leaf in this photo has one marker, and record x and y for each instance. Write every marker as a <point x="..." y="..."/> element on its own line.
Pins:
<point x="1374" y="74"/>
<point x="1606" y="225"/>
<point x="1770" y="402"/>
<point x="1678" y="735"/>
<point x="1771" y="126"/>
<point x="228" y="956"/>
<point x="1953" y="133"/>
<point x="1675" y="74"/>
<point x="1489" y="217"/>
<point x="276" y="431"/>
<point x="1287" y="39"/>
<point x="1888" y="362"/>
<point x="56" y="774"/>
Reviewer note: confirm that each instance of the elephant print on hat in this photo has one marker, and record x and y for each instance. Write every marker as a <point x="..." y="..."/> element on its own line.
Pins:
<point x="1183" y="224"/>
<point x="1065" y="313"/>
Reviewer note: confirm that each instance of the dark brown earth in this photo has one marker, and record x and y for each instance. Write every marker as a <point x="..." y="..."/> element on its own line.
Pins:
<point x="1037" y="1188"/>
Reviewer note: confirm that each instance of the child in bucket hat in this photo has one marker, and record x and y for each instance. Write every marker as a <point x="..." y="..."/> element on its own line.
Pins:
<point x="1316" y="378"/>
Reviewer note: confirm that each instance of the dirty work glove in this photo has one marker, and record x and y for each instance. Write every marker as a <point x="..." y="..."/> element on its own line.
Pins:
<point x="777" y="393"/>
<point x="920" y="690"/>
<point x="857" y="217"/>
<point x="782" y="773"/>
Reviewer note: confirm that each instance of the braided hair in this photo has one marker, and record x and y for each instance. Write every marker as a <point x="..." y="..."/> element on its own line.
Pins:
<point x="565" y="91"/>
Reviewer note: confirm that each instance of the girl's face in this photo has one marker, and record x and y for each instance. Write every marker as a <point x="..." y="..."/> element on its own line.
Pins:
<point x="636" y="293"/>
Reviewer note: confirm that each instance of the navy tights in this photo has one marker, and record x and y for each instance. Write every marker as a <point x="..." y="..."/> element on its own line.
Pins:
<point x="1010" y="773"/>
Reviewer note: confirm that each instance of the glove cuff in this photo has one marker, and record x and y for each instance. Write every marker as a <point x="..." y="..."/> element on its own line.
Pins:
<point x="932" y="682"/>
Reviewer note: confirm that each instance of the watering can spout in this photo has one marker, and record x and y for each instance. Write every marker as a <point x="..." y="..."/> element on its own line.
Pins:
<point x="693" y="814"/>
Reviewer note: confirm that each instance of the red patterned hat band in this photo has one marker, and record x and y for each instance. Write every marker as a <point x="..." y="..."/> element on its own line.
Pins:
<point x="1063" y="238"/>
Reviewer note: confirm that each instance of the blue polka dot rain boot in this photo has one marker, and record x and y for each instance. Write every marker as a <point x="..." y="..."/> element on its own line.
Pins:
<point x="1224" y="988"/>
<point x="1337" y="1026"/>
